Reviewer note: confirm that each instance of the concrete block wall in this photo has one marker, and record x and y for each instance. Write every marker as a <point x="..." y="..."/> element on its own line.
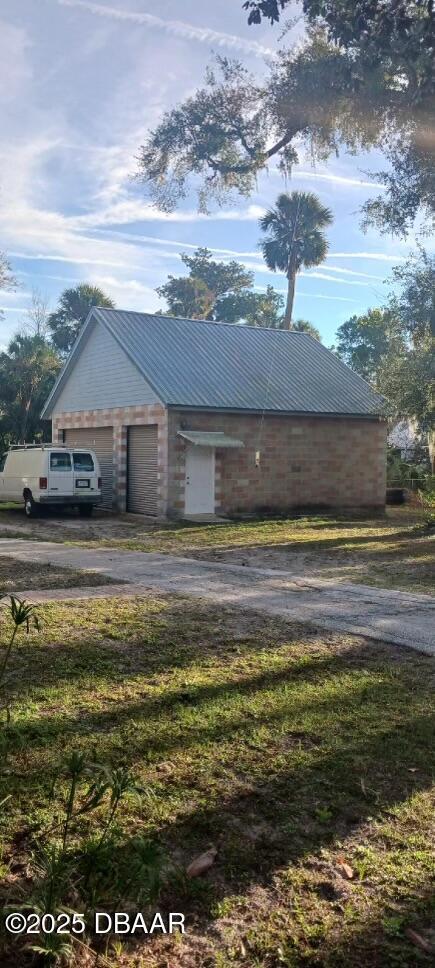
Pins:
<point x="120" y="418"/>
<point x="305" y="461"/>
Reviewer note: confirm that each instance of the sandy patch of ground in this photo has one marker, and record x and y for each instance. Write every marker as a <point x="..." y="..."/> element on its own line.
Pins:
<point x="17" y="575"/>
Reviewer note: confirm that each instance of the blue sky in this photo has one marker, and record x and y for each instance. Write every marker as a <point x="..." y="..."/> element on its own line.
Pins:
<point x="82" y="84"/>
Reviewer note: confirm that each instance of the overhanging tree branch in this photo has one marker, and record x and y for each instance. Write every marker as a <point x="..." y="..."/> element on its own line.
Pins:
<point x="345" y="88"/>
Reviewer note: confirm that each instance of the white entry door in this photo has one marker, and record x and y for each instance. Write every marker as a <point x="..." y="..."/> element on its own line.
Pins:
<point x="199" y="480"/>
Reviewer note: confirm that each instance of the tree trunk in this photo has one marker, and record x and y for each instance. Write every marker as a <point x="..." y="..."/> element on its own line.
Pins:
<point x="431" y="431"/>
<point x="291" y="279"/>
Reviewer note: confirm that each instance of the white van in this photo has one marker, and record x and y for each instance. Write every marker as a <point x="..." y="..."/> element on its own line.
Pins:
<point x="50" y="475"/>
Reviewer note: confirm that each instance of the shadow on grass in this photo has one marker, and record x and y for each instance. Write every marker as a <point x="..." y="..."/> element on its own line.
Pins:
<point x="146" y="638"/>
<point x="271" y="765"/>
<point x="90" y="669"/>
<point x="331" y="939"/>
<point x="382" y="940"/>
<point x="347" y="544"/>
<point x="321" y="673"/>
<point x="375" y="720"/>
<point x="274" y="822"/>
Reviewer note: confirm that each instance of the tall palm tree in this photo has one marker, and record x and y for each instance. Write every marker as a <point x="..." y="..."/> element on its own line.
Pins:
<point x="295" y="238"/>
<point x="73" y="308"/>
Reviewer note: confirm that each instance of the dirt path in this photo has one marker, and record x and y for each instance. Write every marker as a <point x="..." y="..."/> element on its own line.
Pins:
<point x="389" y="616"/>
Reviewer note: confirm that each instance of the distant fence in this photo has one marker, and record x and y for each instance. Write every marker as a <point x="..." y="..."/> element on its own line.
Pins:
<point x="411" y="485"/>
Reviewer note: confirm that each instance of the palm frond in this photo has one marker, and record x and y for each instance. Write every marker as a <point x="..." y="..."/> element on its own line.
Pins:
<point x="268" y="220"/>
<point x="315" y="250"/>
<point x="294" y="231"/>
<point x="275" y="255"/>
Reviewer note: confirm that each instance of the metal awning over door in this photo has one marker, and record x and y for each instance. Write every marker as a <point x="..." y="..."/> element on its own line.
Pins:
<point x="142" y="492"/>
<point x="210" y="438"/>
<point x="100" y="440"/>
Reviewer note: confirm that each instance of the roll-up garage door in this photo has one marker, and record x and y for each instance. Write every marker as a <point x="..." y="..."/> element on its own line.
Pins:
<point x="142" y="470"/>
<point x="100" y="440"/>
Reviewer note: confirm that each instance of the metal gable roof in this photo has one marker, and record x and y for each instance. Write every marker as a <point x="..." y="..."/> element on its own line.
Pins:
<point x="192" y="363"/>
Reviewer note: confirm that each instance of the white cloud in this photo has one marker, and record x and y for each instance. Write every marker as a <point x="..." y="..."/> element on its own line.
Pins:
<point x="321" y="295"/>
<point x="47" y="275"/>
<point x="138" y="295"/>
<point x="127" y="285"/>
<point x="36" y="232"/>
<point x="178" y="28"/>
<point x="378" y="256"/>
<point x="70" y="259"/>
<point x="21" y="160"/>
<point x="342" y="180"/>
<point x="16" y="295"/>
<point x="352" y="272"/>
<point x="16" y="70"/>
<point x="63" y="202"/>
<point x="315" y="274"/>
<point x="89" y="260"/>
<point x="263" y="269"/>
<point x="249" y="215"/>
<point x="130" y="211"/>
<point x="53" y="237"/>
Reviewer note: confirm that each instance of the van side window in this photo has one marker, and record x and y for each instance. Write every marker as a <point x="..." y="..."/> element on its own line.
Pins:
<point x="83" y="462"/>
<point x="60" y="461"/>
<point x="2" y="462"/>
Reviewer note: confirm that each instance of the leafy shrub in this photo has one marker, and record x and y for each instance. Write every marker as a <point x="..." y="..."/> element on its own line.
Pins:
<point x="402" y="473"/>
<point x="22" y="616"/>
<point x="426" y="496"/>
<point x="73" y="869"/>
<point x="84" y="860"/>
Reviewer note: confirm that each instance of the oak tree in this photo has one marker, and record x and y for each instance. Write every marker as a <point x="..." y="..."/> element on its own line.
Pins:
<point x="364" y="78"/>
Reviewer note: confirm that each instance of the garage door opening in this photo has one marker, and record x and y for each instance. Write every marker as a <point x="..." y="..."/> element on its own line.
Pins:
<point x="100" y="440"/>
<point x="142" y="491"/>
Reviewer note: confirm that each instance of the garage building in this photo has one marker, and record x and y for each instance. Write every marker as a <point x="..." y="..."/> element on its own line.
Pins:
<point x="190" y="417"/>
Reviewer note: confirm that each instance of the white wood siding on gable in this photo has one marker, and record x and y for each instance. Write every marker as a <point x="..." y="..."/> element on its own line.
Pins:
<point x="103" y="377"/>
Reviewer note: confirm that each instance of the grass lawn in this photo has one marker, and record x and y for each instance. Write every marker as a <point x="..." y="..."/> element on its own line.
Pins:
<point x="16" y="576"/>
<point x="306" y="759"/>
<point x="390" y="552"/>
<point x="394" y="551"/>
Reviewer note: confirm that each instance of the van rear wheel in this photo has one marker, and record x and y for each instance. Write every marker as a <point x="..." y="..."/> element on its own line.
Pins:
<point x="85" y="510"/>
<point x="30" y="508"/>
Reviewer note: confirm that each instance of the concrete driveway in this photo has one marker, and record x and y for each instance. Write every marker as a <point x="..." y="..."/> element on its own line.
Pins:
<point x="390" y="616"/>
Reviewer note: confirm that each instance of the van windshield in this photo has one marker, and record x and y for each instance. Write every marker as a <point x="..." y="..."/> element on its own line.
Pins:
<point x="60" y="461"/>
<point x="83" y="462"/>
